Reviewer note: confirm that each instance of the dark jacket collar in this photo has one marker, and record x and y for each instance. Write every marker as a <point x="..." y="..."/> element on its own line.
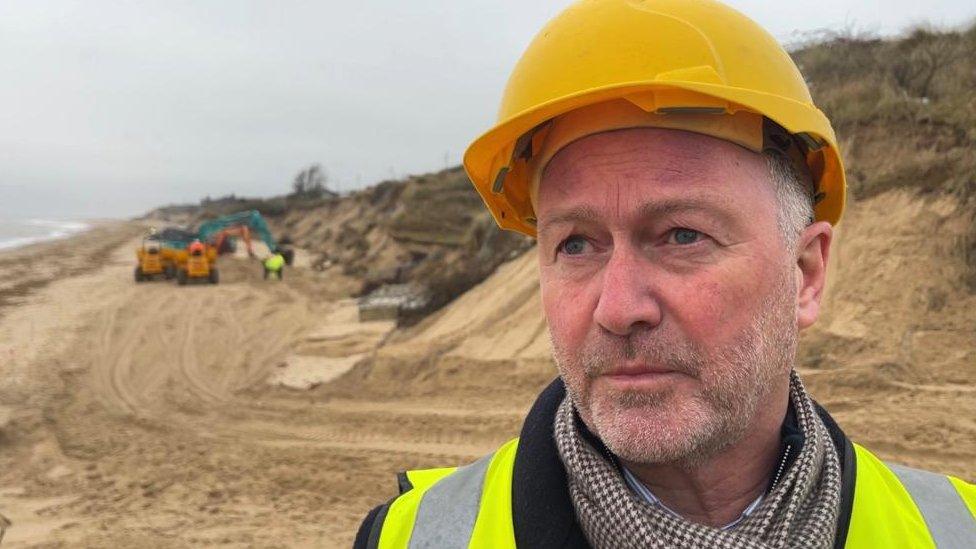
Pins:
<point x="542" y="511"/>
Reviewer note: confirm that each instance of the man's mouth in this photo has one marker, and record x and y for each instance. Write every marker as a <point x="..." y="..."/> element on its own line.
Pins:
<point x="636" y="376"/>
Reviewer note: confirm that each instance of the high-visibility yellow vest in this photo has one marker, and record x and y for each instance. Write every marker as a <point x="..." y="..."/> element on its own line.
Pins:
<point x="274" y="263"/>
<point x="471" y="506"/>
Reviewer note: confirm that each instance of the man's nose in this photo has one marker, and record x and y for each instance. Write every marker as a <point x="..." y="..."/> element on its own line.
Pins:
<point x="627" y="300"/>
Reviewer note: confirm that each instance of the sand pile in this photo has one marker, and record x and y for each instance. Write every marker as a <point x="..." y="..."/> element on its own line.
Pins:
<point x="430" y="231"/>
<point x="489" y="343"/>
<point x="339" y="342"/>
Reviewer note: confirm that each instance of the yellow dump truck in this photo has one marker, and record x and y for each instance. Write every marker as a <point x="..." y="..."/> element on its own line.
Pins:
<point x="197" y="262"/>
<point x="153" y="260"/>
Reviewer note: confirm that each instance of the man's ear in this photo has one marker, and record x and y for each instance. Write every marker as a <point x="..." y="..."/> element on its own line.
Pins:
<point x="813" y="250"/>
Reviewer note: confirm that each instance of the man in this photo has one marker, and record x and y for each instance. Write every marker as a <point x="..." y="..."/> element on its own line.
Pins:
<point x="274" y="265"/>
<point x="683" y="188"/>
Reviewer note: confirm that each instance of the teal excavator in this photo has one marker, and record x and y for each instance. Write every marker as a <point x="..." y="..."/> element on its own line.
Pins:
<point x="221" y="231"/>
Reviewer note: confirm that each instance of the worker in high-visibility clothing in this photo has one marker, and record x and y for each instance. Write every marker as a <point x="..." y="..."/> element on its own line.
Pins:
<point x="683" y="189"/>
<point x="274" y="266"/>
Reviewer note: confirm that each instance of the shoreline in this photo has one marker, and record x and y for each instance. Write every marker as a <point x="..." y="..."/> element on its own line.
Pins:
<point x="30" y="267"/>
<point x="58" y="230"/>
<point x="47" y="241"/>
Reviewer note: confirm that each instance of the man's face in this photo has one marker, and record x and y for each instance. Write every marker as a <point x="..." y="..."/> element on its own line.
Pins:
<point x="669" y="291"/>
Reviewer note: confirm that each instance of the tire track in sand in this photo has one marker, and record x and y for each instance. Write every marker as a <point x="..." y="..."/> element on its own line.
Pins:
<point x="112" y="369"/>
<point x="189" y="363"/>
<point x="114" y="361"/>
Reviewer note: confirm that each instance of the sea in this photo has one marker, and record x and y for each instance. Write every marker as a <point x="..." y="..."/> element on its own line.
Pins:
<point x="16" y="233"/>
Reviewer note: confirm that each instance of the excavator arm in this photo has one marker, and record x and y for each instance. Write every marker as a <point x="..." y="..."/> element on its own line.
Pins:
<point x="241" y="232"/>
<point x="243" y="225"/>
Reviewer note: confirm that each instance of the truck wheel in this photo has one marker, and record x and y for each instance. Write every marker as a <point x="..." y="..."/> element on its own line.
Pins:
<point x="181" y="277"/>
<point x="138" y="274"/>
<point x="168" y="272"/>
<point x="214" y="276"/>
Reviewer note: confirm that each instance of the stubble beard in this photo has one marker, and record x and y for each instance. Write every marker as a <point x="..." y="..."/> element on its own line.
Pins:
<point x="662" y="428"/>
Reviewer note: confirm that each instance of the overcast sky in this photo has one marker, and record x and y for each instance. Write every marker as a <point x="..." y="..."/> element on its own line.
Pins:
<point x="108" y="109"/>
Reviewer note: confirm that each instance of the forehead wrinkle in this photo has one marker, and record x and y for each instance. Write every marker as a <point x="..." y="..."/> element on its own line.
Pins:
<point x="625" y="163"/>
<point x="613" y="169"/>
<point x="646" y="159"/>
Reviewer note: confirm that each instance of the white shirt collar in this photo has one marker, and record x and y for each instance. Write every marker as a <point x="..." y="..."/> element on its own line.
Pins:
<point x="645" y="494"/>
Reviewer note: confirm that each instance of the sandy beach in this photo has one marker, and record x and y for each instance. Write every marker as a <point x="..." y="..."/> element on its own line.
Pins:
<point x="143" y="414"/>
<point x="255" y="413"/>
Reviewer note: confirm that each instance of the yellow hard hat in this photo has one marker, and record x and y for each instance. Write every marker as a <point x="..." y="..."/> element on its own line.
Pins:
<point x="689" y="64"/>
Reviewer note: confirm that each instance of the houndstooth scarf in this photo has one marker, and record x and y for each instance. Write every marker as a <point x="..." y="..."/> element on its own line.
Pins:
<point x="800" y="511"/>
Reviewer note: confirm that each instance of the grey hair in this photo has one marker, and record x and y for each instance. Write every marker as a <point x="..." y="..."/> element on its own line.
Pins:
<point x="794" y="194"/>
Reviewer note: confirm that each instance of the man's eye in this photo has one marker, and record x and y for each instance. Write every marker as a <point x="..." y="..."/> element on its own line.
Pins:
<point x="573" y="245"/>
<point x="683" y="236"/>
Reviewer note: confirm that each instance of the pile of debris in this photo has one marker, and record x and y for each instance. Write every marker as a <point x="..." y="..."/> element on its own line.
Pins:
<point x="403" y="303"/>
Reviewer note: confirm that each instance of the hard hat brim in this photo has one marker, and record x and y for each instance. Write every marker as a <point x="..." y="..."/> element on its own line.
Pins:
<point x="492" y="152"/>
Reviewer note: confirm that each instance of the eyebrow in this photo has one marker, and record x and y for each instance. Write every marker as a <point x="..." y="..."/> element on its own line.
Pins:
<point x="649" y="210"/>
<point x="575" y="214"/>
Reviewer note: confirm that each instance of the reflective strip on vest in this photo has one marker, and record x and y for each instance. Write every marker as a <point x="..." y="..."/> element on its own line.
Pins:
<point x="449" y="509"/>
<point x="950" y="522"/>
<point x="470" y="507"/>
